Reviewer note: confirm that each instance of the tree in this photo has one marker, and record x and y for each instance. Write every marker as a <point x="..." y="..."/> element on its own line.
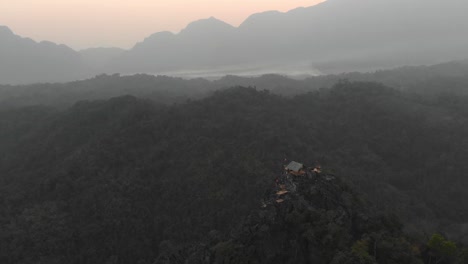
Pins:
<point x="441" y="248"/>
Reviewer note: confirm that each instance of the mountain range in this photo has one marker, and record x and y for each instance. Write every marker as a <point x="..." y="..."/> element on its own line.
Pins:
<point x="23" y="60"/>
<point x="331" y="37"/>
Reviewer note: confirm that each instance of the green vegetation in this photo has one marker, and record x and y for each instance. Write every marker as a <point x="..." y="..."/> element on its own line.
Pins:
<point x="360" y="250"/>
<point x="446" y="79"/>
<point x="127" y="180"/>
<point x="441" y="248"/>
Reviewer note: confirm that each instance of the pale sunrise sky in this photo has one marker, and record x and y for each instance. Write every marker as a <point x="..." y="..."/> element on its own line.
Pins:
<point x="121" y="23"/>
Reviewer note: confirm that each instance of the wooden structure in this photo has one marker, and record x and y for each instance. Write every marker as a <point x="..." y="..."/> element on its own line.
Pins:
<point x="295" y="168"/>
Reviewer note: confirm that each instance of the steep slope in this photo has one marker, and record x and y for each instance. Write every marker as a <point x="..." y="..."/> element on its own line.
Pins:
<point x="201" y="44"/>
<point x="23" y="61"/>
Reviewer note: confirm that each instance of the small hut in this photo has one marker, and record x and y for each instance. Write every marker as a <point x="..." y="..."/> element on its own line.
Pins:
<point x="295" y="168"/>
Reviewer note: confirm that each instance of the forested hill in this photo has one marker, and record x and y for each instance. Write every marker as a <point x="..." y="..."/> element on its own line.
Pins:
<point x="109" y="181"/>
<point x="316" y="219"/>
<point x="446" y="78"/>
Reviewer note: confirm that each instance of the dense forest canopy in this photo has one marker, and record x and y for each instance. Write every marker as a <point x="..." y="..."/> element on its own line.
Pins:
<point x="449" y="78"/>
<point x="116" y="179"/>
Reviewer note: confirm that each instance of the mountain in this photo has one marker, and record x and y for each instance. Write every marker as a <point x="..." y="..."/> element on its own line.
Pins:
<point x="161" y="89"/>
<point x="447" y="78"/>
<point x="334" y="36"/>
<point x="202" y="44"/>
<point x="23" y="60"/>
<point x="319" y="220"/>
<point x="120" y="180"/>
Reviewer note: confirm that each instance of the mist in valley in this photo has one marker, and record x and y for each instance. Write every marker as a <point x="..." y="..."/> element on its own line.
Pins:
<point x="332" y="133"/>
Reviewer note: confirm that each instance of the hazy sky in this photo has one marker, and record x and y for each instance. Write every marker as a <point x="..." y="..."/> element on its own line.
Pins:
<point x="121" y="23"/>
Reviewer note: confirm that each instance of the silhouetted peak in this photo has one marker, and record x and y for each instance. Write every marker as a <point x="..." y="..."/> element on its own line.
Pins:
<point x="304" y="9"/>
<point x="208" y="25"/>
<point x="255" y="18"/>
<point x="50" y="44"/>
<point x="5" y="31"/>
<point x="159" y="35"/>
<point x="155" y="38"/>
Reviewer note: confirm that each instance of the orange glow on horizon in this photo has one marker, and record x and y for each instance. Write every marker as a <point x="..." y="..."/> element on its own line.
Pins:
<point x="122" y="23"/>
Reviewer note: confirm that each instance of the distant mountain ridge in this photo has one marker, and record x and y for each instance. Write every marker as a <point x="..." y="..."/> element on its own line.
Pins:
<point x="335" y="36"/>
<point x="23" y="60"/>
<point x="332" y="37"/>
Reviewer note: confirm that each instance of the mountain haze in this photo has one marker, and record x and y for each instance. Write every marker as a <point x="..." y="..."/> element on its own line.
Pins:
<point x="23" y="60"/>
<point x="446" y="78"/>
<point x="334" y="36"/>
<point x="330" y="134"/>
<point x="119" y="180"/>
<point x="98" y="58"/>
<point x="331" y="37"/>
